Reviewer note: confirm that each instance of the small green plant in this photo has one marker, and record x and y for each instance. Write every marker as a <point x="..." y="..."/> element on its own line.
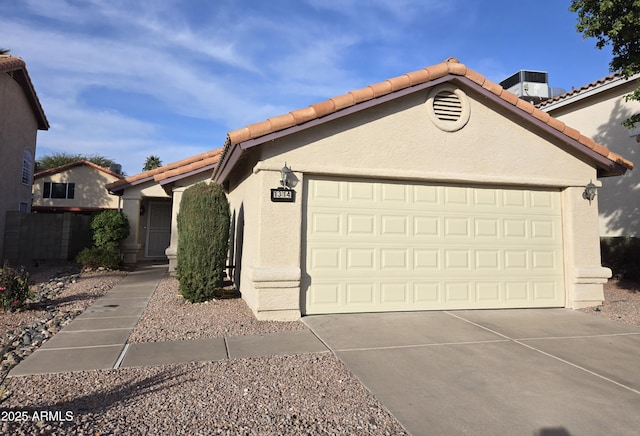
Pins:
<point x="107" y="256"/>
<point x="109" y="228"/>
<point x="203" y="241"/>
<point x="14" y="287"/>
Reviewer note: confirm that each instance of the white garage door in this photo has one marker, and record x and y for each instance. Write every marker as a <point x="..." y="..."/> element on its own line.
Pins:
<point x="382" y="246"/>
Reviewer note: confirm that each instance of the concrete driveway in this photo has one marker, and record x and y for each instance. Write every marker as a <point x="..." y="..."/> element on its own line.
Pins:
<point x="547" y="372"/>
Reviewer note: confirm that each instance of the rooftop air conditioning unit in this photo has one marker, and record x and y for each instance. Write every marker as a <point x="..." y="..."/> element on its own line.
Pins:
<point x="528" y="84"/>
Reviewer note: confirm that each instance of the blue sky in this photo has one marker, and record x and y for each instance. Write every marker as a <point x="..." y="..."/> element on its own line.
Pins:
<point x="130" y="78"/>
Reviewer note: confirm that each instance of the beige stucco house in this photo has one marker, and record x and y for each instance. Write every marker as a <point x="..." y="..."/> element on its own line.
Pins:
<point x="151" y="201"/>
<point x="21" y="116"/>
<point x="598" y="110"/>
<point x="76" y="187"/>
<point x="436" y="189"/>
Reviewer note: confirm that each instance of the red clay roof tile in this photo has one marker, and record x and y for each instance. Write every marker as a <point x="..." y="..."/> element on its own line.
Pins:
<point x="343" y="101"/>
<point x="303" y="115"/>
<point x="399" y="82"/>
<point x="579" y="90"/>
<point x="65" y="167"/>
<point x="324" y="108"/>
<point x="18" y="68"/>
<point x="450" y="67"/>
<point x="420" y="76"/>
<point x="178" y="168"/>
<point x="525" y="106"/>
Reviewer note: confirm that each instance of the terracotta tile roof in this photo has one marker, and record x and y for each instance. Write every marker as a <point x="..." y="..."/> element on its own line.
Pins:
<point x="580" y="90"/>
<point x="175" y="169"/>
<point x="450" y="67"/>
<point x="17" y="68"/>
<point x="62" y="168"/>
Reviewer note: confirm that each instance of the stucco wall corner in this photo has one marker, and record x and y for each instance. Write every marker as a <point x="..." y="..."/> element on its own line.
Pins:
<point x="587" y="287"/>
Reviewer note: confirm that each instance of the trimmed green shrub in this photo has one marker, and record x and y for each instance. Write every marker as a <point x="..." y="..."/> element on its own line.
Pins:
<point x="107" y="256"/>
<point x="14" y="287"/>
<point x="109" y="229"/>
<point x="622" y="255"/>
<point x="110" y="226"/>
<point x="203" y="241"/>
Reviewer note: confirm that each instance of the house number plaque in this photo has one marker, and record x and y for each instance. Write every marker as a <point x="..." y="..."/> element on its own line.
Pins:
<point x="280" y="195"/>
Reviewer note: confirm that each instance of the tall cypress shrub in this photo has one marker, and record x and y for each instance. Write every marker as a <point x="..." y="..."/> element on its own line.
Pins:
<point x="203" y="241"/>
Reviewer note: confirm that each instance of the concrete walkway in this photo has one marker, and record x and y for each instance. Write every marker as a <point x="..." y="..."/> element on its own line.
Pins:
<point x="97" y="339"/>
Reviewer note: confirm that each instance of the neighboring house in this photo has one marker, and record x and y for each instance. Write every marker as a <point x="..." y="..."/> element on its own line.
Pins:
<point x="76" y="187"/>
<point x="21" y="116"/>
<point x="151" y="201"/>
<point x="428" y="191"/>
<point x="598" y="110"/>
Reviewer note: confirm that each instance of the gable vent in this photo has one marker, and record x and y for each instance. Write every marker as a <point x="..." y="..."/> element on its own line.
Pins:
<point x="447" y="106"/>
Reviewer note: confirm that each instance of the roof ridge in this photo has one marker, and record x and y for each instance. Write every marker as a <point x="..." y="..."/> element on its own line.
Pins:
<point x="451" y="66"/>
<point x="157" y="173"/>
<point x="66" y="166"/>
<point x="581" y="89"/>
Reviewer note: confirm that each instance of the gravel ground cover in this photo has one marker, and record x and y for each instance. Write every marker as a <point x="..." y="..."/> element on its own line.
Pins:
<point x="305" y="394"/>
<point x="170" y="317"/>
<point x="621" y="302"/>
<point x="298" y="394"/>
<point x="59" y="295"/>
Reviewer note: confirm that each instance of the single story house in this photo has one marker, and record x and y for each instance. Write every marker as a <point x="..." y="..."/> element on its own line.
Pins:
<point x="21" y="116"/>
<point x="75" y="187"/>
<point x="598" y="110"/>
<point x="436" y="189"/>
<point x="151" y="201"/>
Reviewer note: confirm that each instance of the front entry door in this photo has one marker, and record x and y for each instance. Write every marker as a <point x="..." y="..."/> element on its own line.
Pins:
<point x="158" y="229"/>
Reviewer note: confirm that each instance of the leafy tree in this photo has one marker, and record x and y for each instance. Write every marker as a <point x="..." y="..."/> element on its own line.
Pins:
<point x="58" y="159"/>
<point x="615" y="23"/>
<point x="151" y="163"/>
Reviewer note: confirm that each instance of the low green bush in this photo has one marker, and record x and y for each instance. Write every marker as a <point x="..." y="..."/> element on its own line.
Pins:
<point x="14" y="287"/>
<point x="107" y="256"/>
<point x="110" y="226"/>
<point x="622" y="255"/>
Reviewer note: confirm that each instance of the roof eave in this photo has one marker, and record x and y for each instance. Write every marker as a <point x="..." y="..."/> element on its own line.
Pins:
<point x="179" y="177"/>
<point x="21" y="75"/>
<point x="229" y="159"/>
<point x="606" y="167"/>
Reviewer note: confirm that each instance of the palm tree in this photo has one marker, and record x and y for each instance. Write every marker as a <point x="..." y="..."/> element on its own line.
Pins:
<point x="4" y="51"/>
<point x="151" y="163"/>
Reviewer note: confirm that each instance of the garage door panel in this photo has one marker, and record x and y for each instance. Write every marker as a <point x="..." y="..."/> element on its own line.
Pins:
<point x="377" y="246"/>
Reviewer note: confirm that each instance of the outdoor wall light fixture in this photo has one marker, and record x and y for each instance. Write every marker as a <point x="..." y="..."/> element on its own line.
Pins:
<point x="288" y="180"/>
<point x="589" y="192"/>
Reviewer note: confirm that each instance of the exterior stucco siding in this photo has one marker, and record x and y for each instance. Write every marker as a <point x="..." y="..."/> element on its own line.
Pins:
<point x="18" y="132"/>
<point x="600" y="117"/>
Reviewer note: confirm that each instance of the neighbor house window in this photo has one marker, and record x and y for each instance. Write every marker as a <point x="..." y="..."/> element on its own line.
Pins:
<point x="58" y="190"/>
<point x="27" y="167"/>
<point x="23" y="207"/>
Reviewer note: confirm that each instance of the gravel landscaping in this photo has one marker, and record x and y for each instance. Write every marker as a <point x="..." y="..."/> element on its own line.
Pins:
<point x="170" y="317"/>
<point x="297" y="394"/>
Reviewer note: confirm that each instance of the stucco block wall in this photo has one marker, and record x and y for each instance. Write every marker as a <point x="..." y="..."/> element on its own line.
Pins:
<point x="18" y="131"/>
<point x="397" y="141"/>
<point x="90" y="189"/>
<point x="600" y="117"/>
<point x="38" y="238"/>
